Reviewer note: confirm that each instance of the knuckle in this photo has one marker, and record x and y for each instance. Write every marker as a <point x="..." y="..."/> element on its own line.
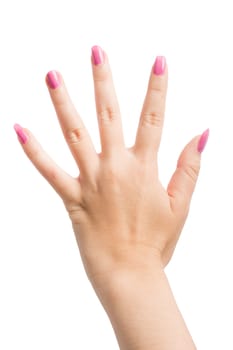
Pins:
<point x="111" y="172"/>
<point x="107" y="115"/>
<point x="34" y="154"/>
<point x="157" y="90"/>
<point x="192" y="171"/>
<point x="101" y="76"/>
<point x="75" y="135"/>
<point x="154" y="118"/>
<point x="61" y="101"/>
<point x="75" y="212"/>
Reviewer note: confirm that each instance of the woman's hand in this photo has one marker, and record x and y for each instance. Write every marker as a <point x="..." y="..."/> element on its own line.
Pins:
<point x="122" y="217"/>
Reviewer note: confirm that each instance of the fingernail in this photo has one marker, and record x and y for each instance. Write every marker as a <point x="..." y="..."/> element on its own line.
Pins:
<point x="159" y="65"/>
<point x="53" y="79"/>
<point x="20" y="133"/>
<point x="203" y="141"/>
<point x="97" y="55"/>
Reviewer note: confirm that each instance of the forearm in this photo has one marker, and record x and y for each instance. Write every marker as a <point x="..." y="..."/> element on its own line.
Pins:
<point x="143" y="312"/>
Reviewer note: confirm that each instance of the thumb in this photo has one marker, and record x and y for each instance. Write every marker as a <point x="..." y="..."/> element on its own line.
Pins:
<point x="183" y="181"/>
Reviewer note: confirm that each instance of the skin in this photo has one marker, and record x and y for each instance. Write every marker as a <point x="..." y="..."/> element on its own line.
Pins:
<point x="125" y="223"/>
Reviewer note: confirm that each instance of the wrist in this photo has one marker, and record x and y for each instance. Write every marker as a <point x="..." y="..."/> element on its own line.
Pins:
<point x="132" y="301"/>
<point x="120" y="284"/>
<point x="127" y="266"/>
<point x="142" y="310"/>
<point x="140" y="305"/>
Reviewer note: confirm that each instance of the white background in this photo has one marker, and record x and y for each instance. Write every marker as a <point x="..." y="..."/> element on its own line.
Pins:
<point x="46" y="301"/>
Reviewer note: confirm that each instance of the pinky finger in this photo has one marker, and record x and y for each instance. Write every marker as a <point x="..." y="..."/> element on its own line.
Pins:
<point x="65" y="185"/>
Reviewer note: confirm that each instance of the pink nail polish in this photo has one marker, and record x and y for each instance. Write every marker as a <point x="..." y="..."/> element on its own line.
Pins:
<point x="159" y="65"/>
<point x="20" y="133"/>
<point x="203" y="141"/>
<point x="97" y="55"/>
<point x="53" y="79"/>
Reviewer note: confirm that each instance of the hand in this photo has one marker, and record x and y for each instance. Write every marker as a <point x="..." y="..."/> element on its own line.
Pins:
<point x="122" y="217"/>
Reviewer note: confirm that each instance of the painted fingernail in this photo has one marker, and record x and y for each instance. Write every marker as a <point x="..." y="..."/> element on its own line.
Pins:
<point x="159" y="65"/>
<point x="97" y="55"/>
<point x="53" y="79"/>
<point x="20" y="133"/>
<point x="203" y="141"/>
